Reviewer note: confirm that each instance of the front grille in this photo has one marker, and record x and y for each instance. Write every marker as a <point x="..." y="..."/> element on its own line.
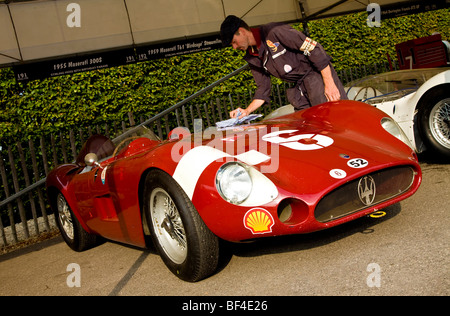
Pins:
<point x="364" y="192"/>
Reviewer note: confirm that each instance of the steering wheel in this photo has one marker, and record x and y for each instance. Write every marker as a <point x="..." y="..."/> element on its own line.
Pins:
<point x="365" y="93"/>
<point x="123" y="142"/>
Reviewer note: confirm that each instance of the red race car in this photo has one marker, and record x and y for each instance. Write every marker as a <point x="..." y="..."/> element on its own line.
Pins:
<point x="293" y="174"/>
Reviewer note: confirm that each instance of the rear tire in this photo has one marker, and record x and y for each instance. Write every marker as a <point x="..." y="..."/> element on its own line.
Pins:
<point x="186" y="245"/>
<point x="71" y="230"/>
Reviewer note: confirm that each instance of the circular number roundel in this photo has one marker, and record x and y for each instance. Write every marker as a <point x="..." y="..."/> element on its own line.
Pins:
<point x="338" y="173"/>
<point x="357" y="163"/>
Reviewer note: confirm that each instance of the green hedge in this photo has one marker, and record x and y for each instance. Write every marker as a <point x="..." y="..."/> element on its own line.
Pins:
<point x="47" y="106"/>
<point x="351" y="42"/>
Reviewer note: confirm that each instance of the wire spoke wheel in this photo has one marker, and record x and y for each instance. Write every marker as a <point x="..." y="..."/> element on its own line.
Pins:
<point x="65" y="217"/>
<point x="168" y="225"/>
<point x="433" y="122"/>
<point x="186" y="245"/>
<point x="439" y="122"/>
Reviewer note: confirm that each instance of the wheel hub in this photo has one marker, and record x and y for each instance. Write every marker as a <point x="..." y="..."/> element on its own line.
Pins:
<point x="167" y="225"/>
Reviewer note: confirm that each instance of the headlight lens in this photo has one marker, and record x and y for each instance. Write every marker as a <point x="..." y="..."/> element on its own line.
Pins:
<point x="392" y="128"/>
<point x="233" y="182"/>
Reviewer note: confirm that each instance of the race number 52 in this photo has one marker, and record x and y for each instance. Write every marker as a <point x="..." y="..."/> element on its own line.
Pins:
<point x="357" y="163"/>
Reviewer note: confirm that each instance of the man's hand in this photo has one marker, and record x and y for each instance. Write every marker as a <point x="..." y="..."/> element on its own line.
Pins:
<point x="331" y="90"/>
<point x="234" y="113"/>
<point x="251" y="107"/>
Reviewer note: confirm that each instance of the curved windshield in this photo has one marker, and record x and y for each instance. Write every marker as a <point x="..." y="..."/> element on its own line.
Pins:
<point x="390" y="85"/>
<point x="136" y="132"/>
<point x="104" y="148"/>
<point x="139" y="132"/>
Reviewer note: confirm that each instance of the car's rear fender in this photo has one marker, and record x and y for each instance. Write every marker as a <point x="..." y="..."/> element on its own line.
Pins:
<point x="57" y="182"/>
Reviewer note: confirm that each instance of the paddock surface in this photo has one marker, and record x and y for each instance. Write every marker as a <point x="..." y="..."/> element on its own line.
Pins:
<point x="405" y="252"/>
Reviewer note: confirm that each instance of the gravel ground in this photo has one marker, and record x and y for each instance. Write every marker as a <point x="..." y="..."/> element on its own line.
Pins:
<point x="34" y="236"/>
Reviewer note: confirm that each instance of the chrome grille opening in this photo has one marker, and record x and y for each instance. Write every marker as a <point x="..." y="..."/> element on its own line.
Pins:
<point x="364" y="192"/>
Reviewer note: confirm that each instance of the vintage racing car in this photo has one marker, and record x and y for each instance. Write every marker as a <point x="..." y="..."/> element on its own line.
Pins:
<point x="418" y="100"/>
<point x="298" y="173"/>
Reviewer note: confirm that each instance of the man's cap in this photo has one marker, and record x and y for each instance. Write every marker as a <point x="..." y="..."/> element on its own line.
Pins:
<point x="228" y="28"/>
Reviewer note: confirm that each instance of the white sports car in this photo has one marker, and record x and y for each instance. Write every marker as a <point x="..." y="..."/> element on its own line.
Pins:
<point x="418" y="100"/>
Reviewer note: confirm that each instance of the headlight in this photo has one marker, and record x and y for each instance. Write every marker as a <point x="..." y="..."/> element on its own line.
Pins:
<point x="392" y="128"/>
<point x="233" y="182"/>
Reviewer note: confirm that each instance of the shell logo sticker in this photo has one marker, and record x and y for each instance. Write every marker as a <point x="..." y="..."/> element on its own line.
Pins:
<point x="258" y="221"/>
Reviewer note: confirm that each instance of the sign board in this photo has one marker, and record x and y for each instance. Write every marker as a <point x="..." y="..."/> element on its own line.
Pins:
<point x="87" y="62"/>
<point x="42" y="38"/>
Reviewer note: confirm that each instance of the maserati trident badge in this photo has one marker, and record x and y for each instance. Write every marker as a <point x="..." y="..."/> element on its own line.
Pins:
<point x="366" y="190"/>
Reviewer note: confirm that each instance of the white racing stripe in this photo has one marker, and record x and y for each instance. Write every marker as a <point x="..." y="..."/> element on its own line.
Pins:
<point x="195" y="161"/>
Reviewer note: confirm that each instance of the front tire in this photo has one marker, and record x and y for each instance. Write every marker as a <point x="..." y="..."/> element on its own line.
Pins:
<point x="186" y="245"/>
<point x="434" y="124"/>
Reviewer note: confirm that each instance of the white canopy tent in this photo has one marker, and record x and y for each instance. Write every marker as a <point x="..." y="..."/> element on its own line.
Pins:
<point x="47" y="31"/>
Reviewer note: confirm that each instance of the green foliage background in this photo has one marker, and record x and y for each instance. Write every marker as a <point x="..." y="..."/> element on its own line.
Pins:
<point x="57" y="104"/>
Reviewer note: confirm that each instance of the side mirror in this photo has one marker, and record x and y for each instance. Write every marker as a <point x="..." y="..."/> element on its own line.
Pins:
<point x="91" y="159"/>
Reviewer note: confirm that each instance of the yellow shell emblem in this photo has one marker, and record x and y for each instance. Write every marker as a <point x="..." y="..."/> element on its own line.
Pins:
<point x="259" y="221"/>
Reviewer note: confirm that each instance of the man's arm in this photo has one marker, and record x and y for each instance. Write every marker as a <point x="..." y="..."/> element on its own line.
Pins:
<point x="262" y="93"/>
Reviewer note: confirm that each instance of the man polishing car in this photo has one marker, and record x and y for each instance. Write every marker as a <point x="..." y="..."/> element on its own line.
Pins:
<point x="279" y="50"/>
